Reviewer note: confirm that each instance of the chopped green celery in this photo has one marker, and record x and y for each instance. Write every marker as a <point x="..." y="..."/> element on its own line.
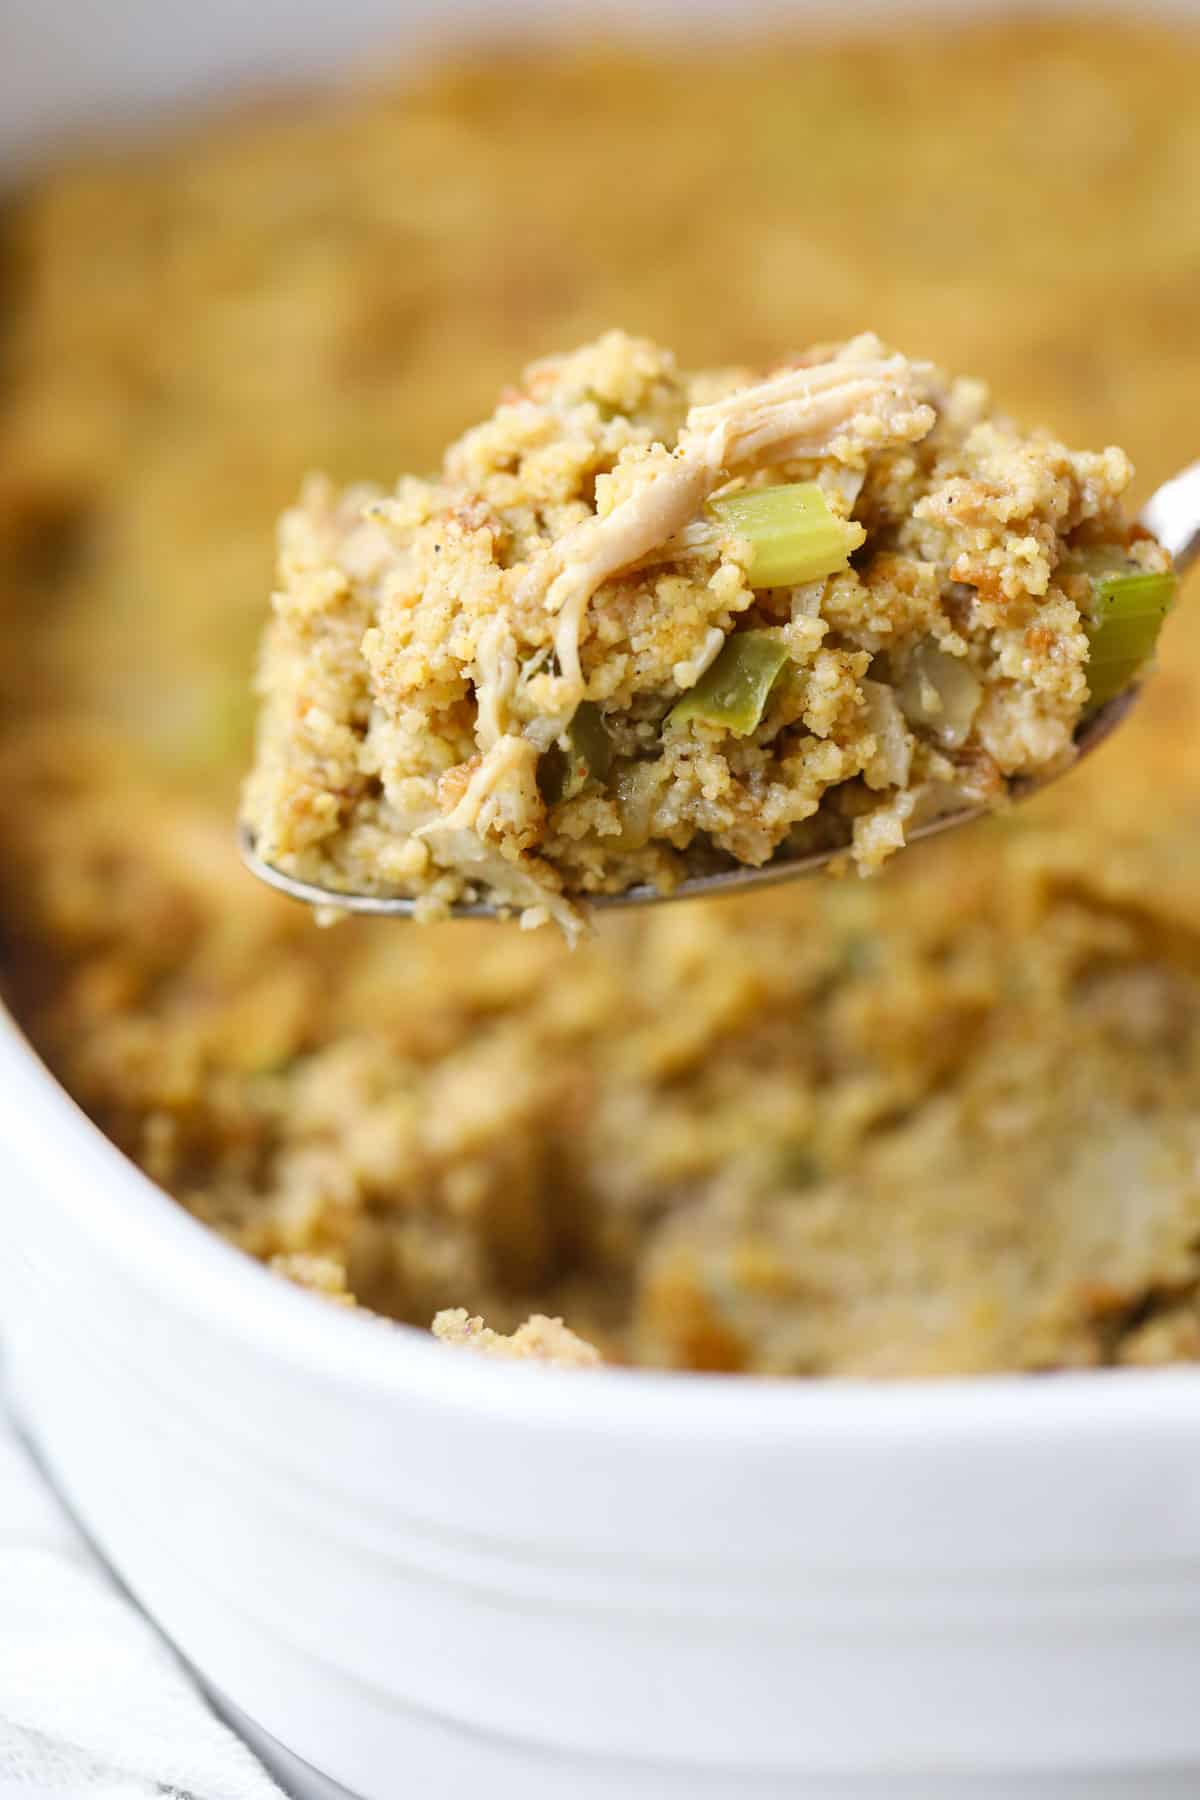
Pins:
<point x="794" y="535"/>
<point x="583" y="752"/>
<point x="734" y="690"/>
<point x="1128" y="607"/>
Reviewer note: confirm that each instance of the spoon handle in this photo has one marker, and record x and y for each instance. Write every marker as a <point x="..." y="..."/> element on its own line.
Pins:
<point x="1173" y="515"/>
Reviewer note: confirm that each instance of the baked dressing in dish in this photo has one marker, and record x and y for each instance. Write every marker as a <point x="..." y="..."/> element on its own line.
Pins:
<point x="944" y="1121"/>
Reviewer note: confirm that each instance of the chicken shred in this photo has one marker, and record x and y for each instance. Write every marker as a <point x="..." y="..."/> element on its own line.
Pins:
<point x="854" y="403"/>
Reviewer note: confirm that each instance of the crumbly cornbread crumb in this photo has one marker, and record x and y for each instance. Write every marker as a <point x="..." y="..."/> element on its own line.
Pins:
<point x="322" y="1275"/>
<point x="539" y="1339"/>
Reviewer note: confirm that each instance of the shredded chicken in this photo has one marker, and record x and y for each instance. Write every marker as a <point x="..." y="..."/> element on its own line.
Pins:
<point x="508" y="765"/>
<point x="843" y="408"/>
<point x="497" y="670"/>
<point x="501" y="795"/>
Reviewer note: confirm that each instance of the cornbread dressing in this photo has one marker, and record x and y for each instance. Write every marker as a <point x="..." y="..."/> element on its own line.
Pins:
<point x="621" y="640"/>
<point x="940" y="1122"/>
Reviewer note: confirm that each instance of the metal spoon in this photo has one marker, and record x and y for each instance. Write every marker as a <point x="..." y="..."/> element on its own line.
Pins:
<point x="1172" y="515"/>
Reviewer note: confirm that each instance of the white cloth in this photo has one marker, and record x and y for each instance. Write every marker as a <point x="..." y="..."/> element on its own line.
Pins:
<point x="94" y="1705"/>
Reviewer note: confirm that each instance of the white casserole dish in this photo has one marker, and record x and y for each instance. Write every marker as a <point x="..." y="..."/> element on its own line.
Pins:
<point x="417" y="1570"/>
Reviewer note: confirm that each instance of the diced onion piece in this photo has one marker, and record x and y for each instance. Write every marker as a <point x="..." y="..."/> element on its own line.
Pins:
<point x="734" y="691"/>
<point x="794" y="535"/>
<point x="639" y="787"/>
<point x="940" y="693"/>
<point x="892" y="762"/>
